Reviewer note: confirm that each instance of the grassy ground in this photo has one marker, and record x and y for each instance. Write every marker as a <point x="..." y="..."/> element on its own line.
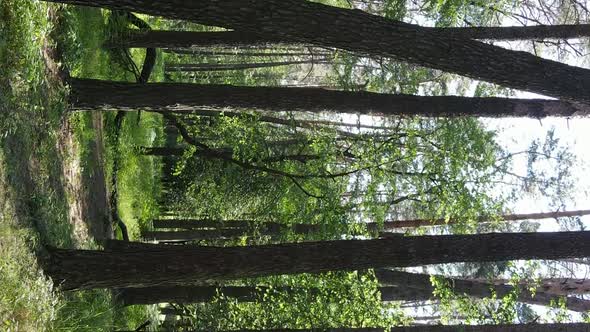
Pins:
<point x="53" y="164"/>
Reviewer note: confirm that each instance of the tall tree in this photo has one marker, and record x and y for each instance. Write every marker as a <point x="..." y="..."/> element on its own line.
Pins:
<point x="207" y="67"/>
<point x="532" y="32"/>
<point x="95" y="94"/>
<point x="506" y="217"/>
<point x="172" y="39"/>
<point x="476" y="289"/>
<point x="273" y="228"/>
<point x="308" y="22"/>
<point x="573" y="327"/>
<point x="169" y="39"/>
<point x="162" y="265"/>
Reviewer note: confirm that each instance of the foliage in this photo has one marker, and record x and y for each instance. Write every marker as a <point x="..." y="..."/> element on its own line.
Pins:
<point x="339" y="299"/>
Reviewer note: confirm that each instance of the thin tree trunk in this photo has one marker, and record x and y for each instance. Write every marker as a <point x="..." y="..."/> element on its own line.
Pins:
<point x="76" y="269"/>
<point x="559" y="327"/>
<point x="201" y="234"/>
<point x="88" y="94"/>
<point x="534" y="32"/>
<point x="197" y="231"/>
<point x="396" y="224"/>
<point x="201" y="223"/>
<point x="303" y="123"/>
<point x="238" y="53"/>
<point x="555" y="286"/>
<point x="172" y="39"/>
<point x="208" y="67"/>
<point x="307" y="22"/>
<point x="371" y="226"/>
<point x="476" y="289"/>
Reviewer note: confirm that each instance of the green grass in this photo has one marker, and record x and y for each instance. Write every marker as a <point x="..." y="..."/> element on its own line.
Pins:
<point x="34" y="202"/>
<point x="138" y="175"/>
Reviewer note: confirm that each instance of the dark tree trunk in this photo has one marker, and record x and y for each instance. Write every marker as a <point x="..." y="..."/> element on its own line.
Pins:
<point x="188" y="39"/>
<point x="534" y="32"/>
<point x="239" y="53"/>
<point x="76" y="269"/>
<point x="264" y="228"/>
<point x="477" y="289"/>
<point x="198" y="294"/>
<point x="395" y="224"/>
<point x="567" y="327"/>
<point x="296" y="21"/>
<point x="201" y="223"/>
<point x="207" y="67"/>
<point x="170" y="39"/>
<point x="197" y="234"/>
<point x="89" y="94"/>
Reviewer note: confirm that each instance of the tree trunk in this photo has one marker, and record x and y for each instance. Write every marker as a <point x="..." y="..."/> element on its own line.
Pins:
<point x="87" y="94"/>
<point x="187" y="39"/>
<point x="200" y="234"/>
<point x="238" y="53"/>
<point x="371" y="226"/>
<point x="201" y="223"/>
<point x="171" y="39"/>
<point x="264" y="228"/>
<point x="76" y="269"/>
<point x="296" y="21"/>
<point x="396" y="224"/>
<point x="557" y="286"/>
<point x="208" y="67"/>
<point x="476" y="289"/>
<point x="199" y="294"/>
<point x="535" y="32"/>
<point x="559" y="327"/>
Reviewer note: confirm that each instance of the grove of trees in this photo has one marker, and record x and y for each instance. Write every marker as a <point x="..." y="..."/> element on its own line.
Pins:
<point x="325" y="168"/>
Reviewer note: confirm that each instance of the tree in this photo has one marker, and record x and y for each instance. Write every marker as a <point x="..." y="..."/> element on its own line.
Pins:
<point x="172" y="39"/>
<point x="507" y="217"/>
<point x="476" y="289"/>
<point x="308" y="22"/>
<point x="574" y="327"/>
<point x="168" y="265"/>
<point x="532" y="32"/>
<point x="91" y="94"/>
<point x="208" y="67"/>
<point x="169" y="39"/>
<point x="273" y="228"/>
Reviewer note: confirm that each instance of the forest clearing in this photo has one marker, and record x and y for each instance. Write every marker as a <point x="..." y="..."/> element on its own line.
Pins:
<point x="294" y="165"/>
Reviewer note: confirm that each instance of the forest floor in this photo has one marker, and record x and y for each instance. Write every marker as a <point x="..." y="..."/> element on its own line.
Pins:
<point x="55" y="171"/>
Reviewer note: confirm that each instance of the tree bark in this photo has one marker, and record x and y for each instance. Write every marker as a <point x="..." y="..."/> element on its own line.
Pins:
<point x="171" y="39"/>
<point x="534" y="32"/>
<point x="191" y="235"/>
<point x="396" y="224"/>
<point x="87" y="94"/>
<point x="559" y="327"/>
<point x="187" y="39"/>
<point x="476" y="289"/>
<point x="76" y="269"/>
<point x="296" y="21"/>
<point x="209" y="67"/>
<point x="264" y="228"/>
<point x="239" y="53"/>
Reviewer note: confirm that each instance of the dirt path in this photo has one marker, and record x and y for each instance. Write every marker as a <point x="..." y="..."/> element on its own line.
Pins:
<point x="86" y="190"/>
